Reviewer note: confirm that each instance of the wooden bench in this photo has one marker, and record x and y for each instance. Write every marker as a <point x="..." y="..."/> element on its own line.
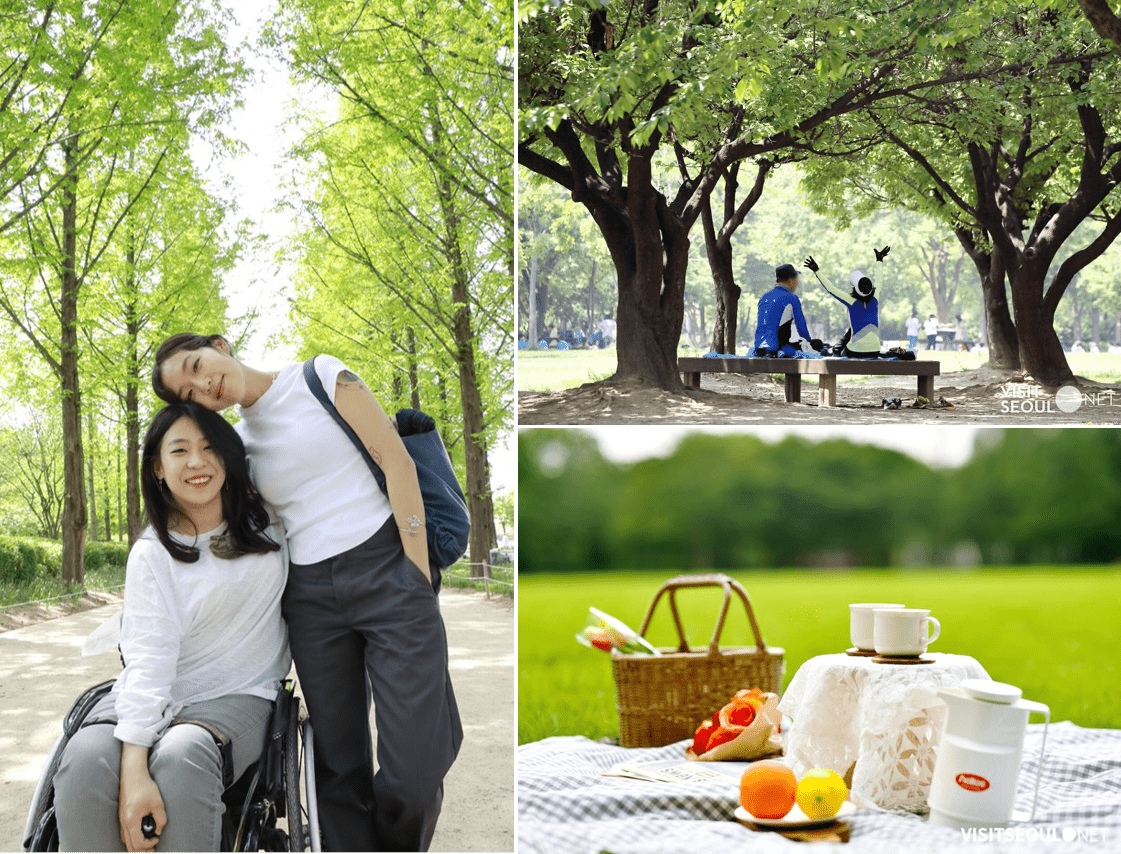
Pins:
<point x="827" y="371"/>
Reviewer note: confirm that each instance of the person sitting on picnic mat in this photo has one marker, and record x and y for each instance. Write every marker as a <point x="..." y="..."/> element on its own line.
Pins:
<point x="862" y="339"/>
<point x="781" y="328"/>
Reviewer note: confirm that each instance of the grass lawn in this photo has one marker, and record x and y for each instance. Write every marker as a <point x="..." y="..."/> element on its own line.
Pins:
<point x="1049" y="631"/>
<point x="553" y="370"/>
<point x="48" y="587"/>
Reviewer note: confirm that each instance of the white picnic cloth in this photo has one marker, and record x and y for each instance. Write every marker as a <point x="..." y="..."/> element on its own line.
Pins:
<point x="887" y="718"/>
<point x="566" y="806"/>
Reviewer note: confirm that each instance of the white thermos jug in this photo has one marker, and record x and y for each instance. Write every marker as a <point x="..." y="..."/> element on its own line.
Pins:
<point x="978" y="763"/>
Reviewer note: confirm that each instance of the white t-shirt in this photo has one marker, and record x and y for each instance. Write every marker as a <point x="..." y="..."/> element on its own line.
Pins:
<point x="197" y="631"/>
<point x="307" y="468"/>
<point x="912" y="325"/>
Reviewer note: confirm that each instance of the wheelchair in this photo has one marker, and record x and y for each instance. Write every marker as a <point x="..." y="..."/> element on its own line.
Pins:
<point x="268" y="790"/>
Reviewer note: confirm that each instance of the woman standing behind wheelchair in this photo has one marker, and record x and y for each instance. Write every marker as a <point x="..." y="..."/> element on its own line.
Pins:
<point x="360" y="604"/>
<point x="204" y="647"/>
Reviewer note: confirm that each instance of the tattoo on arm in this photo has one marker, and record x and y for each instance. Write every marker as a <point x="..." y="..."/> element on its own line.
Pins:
<point x="350" y="378"/>
<point x="374" y="453"/>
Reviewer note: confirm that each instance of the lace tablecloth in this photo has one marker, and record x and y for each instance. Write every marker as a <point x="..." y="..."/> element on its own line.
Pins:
<point x="887" y="718"/>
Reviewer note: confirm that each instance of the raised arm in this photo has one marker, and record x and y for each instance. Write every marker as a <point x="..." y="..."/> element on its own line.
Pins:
<point x="361" y="410"/>
<point x="835" y="292"/>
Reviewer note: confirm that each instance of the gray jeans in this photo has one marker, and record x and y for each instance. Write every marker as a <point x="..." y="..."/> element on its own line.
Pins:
<point x="185" y="762"/>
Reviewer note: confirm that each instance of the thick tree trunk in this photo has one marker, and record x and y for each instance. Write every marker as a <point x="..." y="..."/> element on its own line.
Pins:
<point x="650" y="249"/>
<point x="74" y="505"/>
<point x="1041" y="352"/>
<point x="1004" y="349"/>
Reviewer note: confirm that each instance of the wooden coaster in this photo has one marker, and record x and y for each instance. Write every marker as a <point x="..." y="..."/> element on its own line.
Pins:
<point x="852" y="650"/>
<point x="902" y="659"/>
<point x="838" y="831"/>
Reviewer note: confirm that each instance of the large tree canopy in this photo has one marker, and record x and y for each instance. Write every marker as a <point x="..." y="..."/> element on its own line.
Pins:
<point x="605" y="88"/>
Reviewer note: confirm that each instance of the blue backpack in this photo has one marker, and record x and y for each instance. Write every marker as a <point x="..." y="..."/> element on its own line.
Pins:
<point x="445" y="509"/>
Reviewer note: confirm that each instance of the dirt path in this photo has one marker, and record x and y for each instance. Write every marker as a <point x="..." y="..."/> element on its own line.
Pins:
<point x="981" y="397"/>
<point x="41" y="672"/>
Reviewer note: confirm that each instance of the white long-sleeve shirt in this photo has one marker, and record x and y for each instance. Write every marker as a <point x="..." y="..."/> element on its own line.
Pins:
<point x="197" y="631"/>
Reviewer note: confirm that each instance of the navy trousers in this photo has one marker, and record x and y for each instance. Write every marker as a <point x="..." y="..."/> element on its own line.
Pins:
<point x="370" y="614"/>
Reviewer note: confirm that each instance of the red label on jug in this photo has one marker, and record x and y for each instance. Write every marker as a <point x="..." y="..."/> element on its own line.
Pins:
<point x="972" y="782"/>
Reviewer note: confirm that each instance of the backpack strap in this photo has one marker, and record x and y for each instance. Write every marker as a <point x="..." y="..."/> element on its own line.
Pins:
<point x="316" y="387"/>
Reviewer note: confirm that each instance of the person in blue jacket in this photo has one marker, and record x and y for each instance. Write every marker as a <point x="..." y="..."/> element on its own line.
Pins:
<point x="862" y="339"/>
<point x="780" y="328"/>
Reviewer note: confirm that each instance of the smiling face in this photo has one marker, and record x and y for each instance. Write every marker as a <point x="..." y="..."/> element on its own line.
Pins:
<point x="209" y="376"/>
<point x="193" y="473"/>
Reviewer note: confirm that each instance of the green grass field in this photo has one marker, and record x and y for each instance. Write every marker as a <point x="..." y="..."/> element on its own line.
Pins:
<point x="1050" y="631"/>
<point x="553" y="370"/>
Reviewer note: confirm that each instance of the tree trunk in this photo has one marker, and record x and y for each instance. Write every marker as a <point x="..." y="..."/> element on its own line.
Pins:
<point x="650" y="248"/>
<point x="74" y="507"/>
<point x="414" y="381"/>
<point x="479" y="500"/>
<point x="132" y="407"/>
<point x="89" y="472"/>
<point x="1041" y="352"/>
<point x="719" y="253"/>
<point x="480" y="503"/>
<point x="1004" y="349"/>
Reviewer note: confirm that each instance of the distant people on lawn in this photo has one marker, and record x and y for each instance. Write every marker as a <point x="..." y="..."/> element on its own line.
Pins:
<point x="781" y="328"/>
<point x="607" y="330"/>
<point x="913" y="325"/>
<point x="930" y="329"/>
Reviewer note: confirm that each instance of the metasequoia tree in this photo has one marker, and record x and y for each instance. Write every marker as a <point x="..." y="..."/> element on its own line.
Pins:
<point x="155" y="72"/>
<point x="415" y="195"/>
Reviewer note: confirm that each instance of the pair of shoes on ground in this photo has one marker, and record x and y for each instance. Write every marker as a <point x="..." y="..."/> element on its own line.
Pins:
<point x="922" y="403"/>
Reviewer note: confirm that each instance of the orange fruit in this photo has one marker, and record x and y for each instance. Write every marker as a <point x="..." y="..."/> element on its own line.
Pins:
<point x="821" y="793"/>
<point x="768" y="789"/>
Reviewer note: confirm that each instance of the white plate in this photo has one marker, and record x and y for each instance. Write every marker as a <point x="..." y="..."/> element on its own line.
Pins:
<point x="794" y="818"/>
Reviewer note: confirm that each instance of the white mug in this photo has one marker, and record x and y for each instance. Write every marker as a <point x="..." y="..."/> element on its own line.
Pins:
<point x="860" y="623"/>
<point x="903" y="631"/>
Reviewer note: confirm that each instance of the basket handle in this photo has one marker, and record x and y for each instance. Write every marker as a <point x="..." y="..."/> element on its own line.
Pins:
<point x="716" y="579"/>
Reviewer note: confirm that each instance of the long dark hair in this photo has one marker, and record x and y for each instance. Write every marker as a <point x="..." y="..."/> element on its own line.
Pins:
<point x="242" y="506"/>
<point x="180" y="341"/>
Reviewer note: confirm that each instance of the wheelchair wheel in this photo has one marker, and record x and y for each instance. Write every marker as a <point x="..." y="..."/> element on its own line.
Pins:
<point x="293" y="810"/>
<point x="308" y="816"/>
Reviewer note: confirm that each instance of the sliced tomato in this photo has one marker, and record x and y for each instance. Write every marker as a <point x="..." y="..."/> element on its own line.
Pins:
<point x="701" y="739"/>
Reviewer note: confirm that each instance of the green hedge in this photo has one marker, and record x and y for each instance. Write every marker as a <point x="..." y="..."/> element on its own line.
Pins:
<point x="22" y="559"/>
<point x="101" y="554"/>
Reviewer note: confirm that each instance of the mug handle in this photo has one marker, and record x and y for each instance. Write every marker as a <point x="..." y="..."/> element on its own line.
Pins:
<point x="937" y="629"/>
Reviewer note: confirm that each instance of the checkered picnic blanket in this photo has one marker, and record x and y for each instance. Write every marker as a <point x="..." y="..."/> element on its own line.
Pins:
<point x="565" y="806"/>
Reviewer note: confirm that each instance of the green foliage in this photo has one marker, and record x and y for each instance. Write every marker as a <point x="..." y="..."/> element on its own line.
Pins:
<point x="103" y="554"/>
<point x="22" y="559"/>
<point x="733" y="502"/>
<point x="567" y="689"/>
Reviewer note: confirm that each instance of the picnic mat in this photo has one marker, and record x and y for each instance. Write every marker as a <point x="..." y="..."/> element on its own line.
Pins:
<point x="565" y="805"/>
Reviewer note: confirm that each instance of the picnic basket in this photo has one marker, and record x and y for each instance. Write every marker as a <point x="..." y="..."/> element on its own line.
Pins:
<point x="662" y="698"/>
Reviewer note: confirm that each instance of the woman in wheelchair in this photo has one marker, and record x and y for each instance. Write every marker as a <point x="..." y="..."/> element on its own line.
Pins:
<point x="204" y="647"/>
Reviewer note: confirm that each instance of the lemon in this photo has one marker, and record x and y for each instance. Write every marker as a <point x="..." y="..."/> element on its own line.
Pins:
<point x="821" y="793"/>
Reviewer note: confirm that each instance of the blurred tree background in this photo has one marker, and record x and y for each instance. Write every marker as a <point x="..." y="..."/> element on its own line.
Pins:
<point x="735" y="502"/>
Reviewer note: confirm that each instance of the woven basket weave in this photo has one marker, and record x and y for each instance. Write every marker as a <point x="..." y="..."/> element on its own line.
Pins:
<point x="663" y="698"/>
